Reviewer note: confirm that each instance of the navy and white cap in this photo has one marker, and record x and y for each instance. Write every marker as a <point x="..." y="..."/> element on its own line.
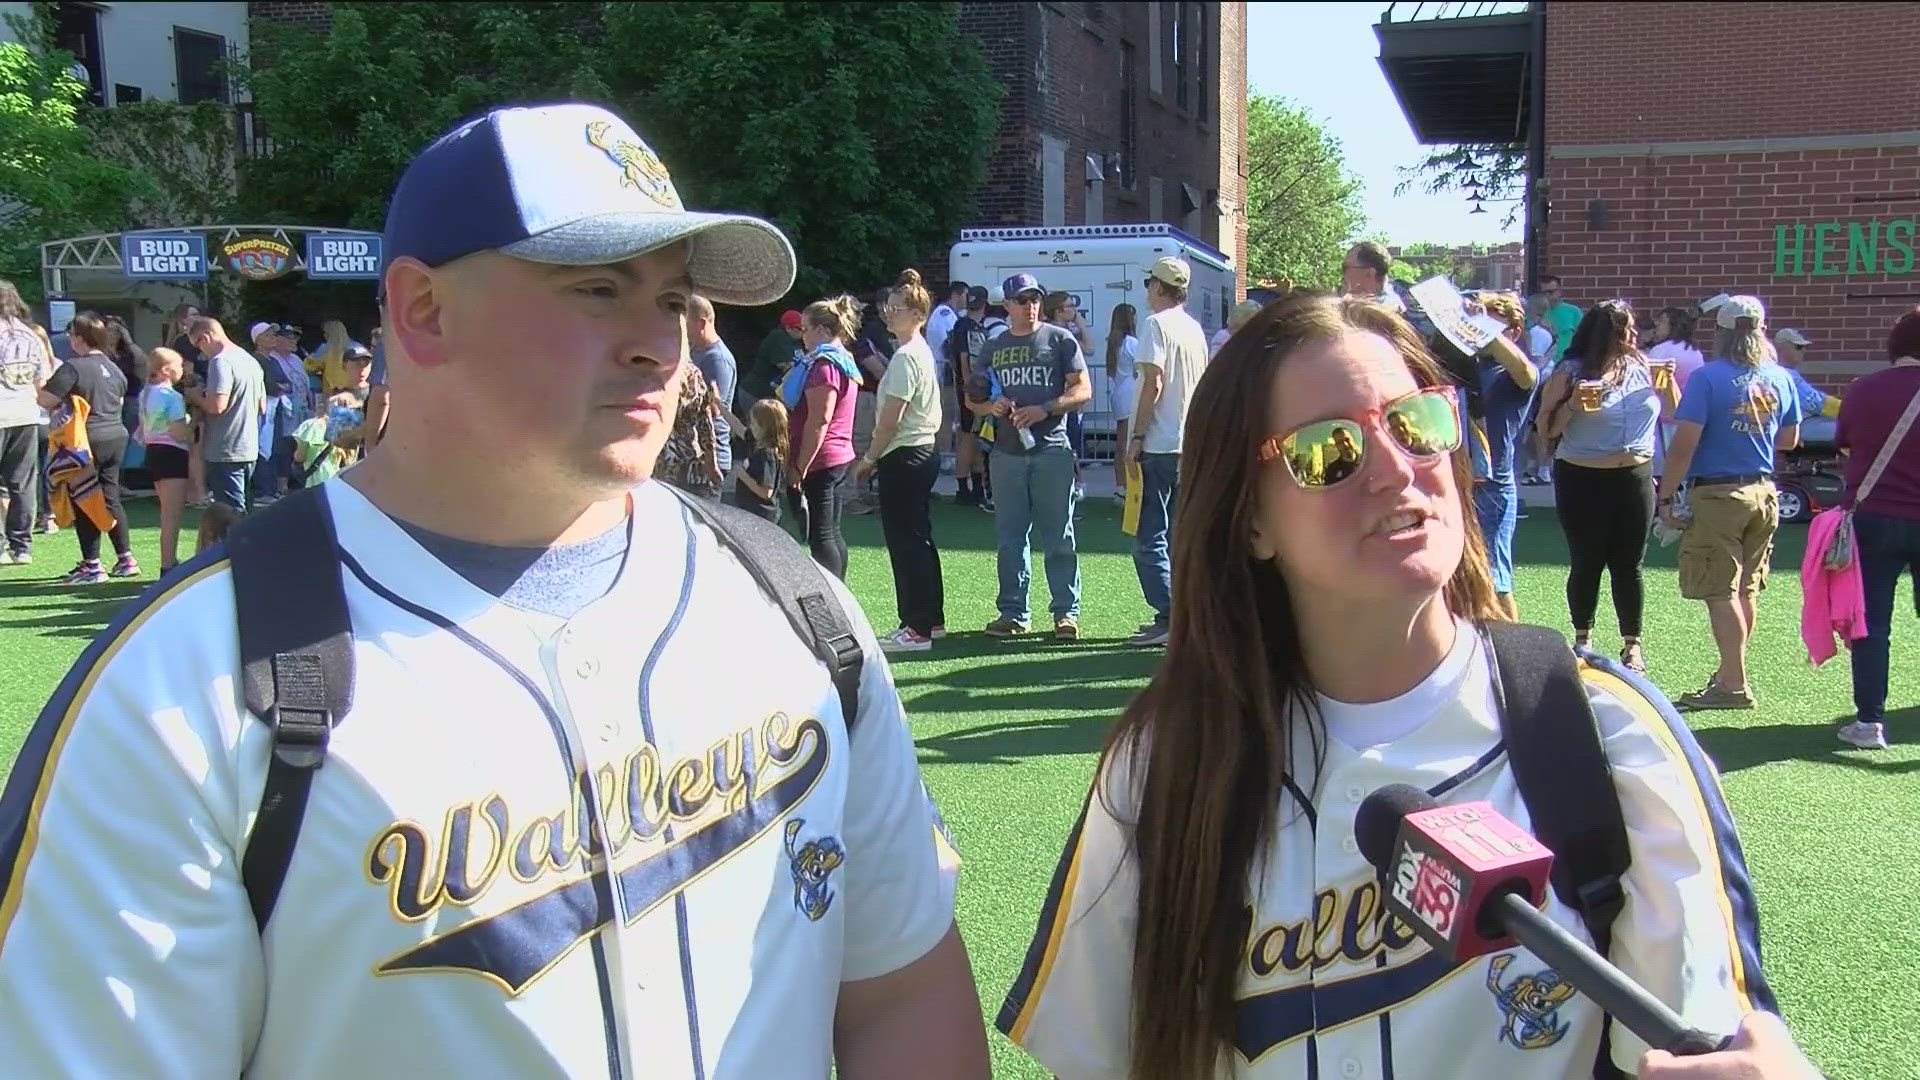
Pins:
<point x="571" y="184"/>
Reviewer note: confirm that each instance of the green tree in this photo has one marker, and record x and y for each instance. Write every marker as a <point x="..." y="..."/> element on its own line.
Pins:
<point x="1303" y="206"/>
<point x="861" y="129"/>
<point x="1495" y="172"/>
<point x="52" y="183"/>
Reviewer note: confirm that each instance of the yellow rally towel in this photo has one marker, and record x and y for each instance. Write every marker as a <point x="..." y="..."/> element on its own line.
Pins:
<point x="1130" y="516"/>
<point x="70" y="472"/>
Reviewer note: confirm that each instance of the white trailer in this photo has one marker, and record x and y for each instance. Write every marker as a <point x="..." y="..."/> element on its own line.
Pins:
<point x="1101" y="265"/>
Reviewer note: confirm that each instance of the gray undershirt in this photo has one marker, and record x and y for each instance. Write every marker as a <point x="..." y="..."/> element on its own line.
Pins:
<point x="556" y="581"/>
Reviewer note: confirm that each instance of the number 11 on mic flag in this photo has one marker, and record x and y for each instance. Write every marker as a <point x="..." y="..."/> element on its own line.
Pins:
<point x="1448" y="862"/>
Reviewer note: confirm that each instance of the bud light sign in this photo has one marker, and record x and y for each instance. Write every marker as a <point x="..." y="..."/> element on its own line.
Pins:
<point x="343" y="257"/>
<point x="164" y="256"/>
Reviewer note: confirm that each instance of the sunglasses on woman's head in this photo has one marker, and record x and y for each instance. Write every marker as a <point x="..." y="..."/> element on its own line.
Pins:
<point x="1425" y="425"/>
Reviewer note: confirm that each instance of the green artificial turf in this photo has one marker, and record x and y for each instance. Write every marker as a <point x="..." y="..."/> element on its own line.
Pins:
<point x="1008" y="733"/>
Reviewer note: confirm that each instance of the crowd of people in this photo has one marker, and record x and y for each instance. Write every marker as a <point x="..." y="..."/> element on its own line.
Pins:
<point x="753" y="864"/>
<point x="205" y="422"/>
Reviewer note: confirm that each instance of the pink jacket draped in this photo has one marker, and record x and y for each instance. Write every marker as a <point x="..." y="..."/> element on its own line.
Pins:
<point x="1832" y="602"/>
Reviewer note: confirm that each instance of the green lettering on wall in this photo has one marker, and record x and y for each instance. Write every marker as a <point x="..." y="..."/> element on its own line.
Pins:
<point x="1863" y="247"/>
<point x="1781" y="249"/>
<point x="1820" y="233"/>
<point x="1900" y="243"/>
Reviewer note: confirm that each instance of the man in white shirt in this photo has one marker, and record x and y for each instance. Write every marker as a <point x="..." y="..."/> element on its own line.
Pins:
<point x="1173" y="356"/>
<point x="25" y="366"/>
<point x="1364" y="276"/>
<point x="544" y="840"/>
<point x="939" y="325"/>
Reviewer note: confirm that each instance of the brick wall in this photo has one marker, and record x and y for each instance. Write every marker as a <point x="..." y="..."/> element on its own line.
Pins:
<point x="1682" y="146"/>
<point x="1682" y="227"/>
<point x="313" y="14"/>
<point x="1619" y="73"/>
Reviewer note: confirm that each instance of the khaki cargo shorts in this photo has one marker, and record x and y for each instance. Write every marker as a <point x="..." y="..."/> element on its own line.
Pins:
<point x="1729" y="541"/>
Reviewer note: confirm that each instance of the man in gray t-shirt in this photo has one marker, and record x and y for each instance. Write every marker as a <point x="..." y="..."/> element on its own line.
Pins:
<point x="1040" y="377"/>
<point x="231" y="405"/>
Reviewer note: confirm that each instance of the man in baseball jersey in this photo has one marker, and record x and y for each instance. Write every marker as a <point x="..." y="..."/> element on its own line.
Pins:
<point x="546" y="840"/>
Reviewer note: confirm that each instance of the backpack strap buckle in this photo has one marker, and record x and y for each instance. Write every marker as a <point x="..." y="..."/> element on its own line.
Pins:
<point x="1601" y="898"/>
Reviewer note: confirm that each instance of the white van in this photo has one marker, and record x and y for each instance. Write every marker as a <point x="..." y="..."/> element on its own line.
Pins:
<point x="1101" y="265"/>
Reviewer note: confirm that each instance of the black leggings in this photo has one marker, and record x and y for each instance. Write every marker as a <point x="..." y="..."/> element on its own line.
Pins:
<point x="1605" y="514"/>
<point x="816" y="509"/>
<point x="906" y="477"/>
<point x="108" y="453"/>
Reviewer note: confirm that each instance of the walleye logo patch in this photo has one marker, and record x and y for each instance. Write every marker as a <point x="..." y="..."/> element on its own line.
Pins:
<point x="1530" y="1004"/>
<point x="812" y="864"/>
<point x="640" y="167"/>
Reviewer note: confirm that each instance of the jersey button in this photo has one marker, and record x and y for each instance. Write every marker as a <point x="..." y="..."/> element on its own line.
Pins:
<point x="1349" y="845"/>
<point x="1355" y="793"/>
<point x="1350" y="1068"/>
<point x="587" y="668"/>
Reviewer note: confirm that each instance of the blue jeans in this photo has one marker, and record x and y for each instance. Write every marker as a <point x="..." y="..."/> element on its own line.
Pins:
<point x="1498" y="508"/>
<point x="228" y="481"/>
<point x="1159" y="489"/>
<point x="1033" y="500"/>
<point x="1887" y="546"/>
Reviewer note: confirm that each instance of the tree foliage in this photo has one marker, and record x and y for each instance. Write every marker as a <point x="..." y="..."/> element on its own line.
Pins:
<point x="52" y="183"/>
<point x="1500" y="169"/>
<point x="861" y="129"/>
<point x="1303" y="206"/>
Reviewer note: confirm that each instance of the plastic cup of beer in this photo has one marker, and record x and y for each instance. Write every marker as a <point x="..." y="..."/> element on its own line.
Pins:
<point x="1590" y="391"/>
<point x="1662" y="374"/>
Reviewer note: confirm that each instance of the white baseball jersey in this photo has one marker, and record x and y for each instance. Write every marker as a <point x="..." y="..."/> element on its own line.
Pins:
<point x="443" y="914"/>
<point x="1329" y="989"/>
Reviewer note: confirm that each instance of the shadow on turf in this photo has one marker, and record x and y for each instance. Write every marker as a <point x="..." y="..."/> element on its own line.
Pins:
<point x="1736" y="748"/>
<point x="992" y="744"/>
<point x="1098" y="661"/>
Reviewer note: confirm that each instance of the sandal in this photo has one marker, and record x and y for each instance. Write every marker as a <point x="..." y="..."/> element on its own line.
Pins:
<point x="1634" y="659"/>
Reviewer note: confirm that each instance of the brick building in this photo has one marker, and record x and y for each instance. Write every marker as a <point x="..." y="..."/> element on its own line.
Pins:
<point x="1118" y="113"/>
<point x="1777" y="154"/>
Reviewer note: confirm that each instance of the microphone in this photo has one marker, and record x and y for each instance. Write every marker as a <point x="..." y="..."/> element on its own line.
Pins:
<point x="1470" y="882"/>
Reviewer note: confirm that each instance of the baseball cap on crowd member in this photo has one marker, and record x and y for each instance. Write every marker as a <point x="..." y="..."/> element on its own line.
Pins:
<point x="261" y="329"/>
<point x="356" y="351"/>
<point x="1171" y="271"/>
<point x="571" y="184"/>
<point x="791" y="320"/>
<point x="1017" y="284"/>
<point x="1790" y="336"/>
<point x="1729" y="314"/>
<point x="976" y="296"/>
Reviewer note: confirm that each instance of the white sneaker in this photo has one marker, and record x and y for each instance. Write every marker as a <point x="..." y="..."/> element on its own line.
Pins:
<point x="1871" y="735"/>
<point x="904" y="640"/>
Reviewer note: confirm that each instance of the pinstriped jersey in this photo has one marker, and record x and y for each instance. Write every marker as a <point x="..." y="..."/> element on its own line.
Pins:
<point x="1329" y="987"/>
<point x="637" y="841"/>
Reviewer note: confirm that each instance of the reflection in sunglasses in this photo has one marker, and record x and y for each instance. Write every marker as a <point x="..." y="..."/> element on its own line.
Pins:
<point x="1424" y="424"/>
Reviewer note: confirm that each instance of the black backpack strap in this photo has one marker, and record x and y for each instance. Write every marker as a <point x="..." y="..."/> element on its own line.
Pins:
<point x="1561" y="768"/>
<point x="788" y="574"/>
<point x="296" y="667"/>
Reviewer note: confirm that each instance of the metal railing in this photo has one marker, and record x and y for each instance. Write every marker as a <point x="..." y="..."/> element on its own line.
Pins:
<point x="1424" y="12"/>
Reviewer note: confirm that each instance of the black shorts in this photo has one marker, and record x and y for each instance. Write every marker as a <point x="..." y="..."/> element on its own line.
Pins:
<point x="969" y="423"/>
<point x="166" y="463"/>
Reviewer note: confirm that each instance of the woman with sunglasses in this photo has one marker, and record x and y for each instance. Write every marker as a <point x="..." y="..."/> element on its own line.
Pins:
<point x="1212" y="915"/>
<point x="1601" y="405"/>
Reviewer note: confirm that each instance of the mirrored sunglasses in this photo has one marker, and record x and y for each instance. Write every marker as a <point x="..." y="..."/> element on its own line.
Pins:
<point x="1425" y="425"/>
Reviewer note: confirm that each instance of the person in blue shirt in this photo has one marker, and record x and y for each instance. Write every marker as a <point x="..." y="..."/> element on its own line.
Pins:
<point x="1790" y="348"/>
<point x="1507" y="383"/>
<point x="1735" y="413"/>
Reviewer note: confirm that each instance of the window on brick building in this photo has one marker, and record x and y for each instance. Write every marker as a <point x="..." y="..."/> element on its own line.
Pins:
<point x="1202" y="91"/>
<point x="1129" y="114"/>
<point x="126" y="95"/>
<point x="197" y="59"/>
<point x="76" y="28"/>
<point x="1182" y="33"/>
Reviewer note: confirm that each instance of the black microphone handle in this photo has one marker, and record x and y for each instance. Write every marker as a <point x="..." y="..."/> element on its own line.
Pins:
<point x="1593" y="975"/>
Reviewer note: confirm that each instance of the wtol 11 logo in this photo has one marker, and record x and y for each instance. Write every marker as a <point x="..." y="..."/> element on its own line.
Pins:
<point x="1428" y="888"/>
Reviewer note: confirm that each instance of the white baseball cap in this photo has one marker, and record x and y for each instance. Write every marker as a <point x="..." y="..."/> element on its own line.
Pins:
<point x="1790" y="336"/>
<point x="1729" y="314"/>
<point x="261" y="328"/>
<point x="571" y="184"/>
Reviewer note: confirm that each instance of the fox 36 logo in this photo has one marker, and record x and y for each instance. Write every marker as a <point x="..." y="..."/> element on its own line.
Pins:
<point x="1425" y="886"/>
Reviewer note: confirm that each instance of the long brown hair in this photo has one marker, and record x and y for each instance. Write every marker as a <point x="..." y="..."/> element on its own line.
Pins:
<point x="1209" y="740"/>
<point x="1118" y="331"/>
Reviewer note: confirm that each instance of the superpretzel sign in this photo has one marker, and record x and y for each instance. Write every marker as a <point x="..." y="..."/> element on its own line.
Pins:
<point x="164" y="256"/>
<point x="342" y="257"/>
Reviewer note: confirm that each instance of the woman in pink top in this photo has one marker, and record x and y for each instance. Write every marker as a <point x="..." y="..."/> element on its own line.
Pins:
<point x="819" y="395"/>
<point x="1886" y="524"/>
<point x="1672" y="339"/>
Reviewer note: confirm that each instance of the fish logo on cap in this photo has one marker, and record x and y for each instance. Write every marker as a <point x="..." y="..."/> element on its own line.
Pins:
<point x="639" y="165"/>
